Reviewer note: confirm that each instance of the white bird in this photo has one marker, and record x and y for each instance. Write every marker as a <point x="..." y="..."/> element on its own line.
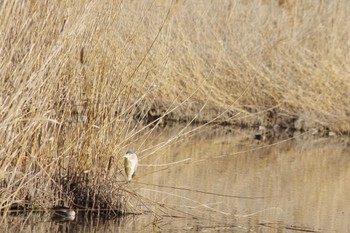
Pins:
<point x="130" y="164"/>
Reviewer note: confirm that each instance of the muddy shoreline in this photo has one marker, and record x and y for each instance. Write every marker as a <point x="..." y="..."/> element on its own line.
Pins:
<point x="269" y="121"/>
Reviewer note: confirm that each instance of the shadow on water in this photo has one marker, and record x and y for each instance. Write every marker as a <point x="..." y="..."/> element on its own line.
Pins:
<point x="226" y="181"/>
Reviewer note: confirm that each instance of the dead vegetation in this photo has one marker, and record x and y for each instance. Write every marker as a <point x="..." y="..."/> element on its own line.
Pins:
<point x="80" y="80"/>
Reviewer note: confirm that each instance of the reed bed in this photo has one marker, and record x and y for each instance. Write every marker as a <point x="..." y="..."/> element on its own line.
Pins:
<point x="82" y="80"/>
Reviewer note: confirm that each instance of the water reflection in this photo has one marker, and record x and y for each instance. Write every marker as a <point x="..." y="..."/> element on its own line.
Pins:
<point x="230" y="181"/>
<point x="225" y="181"/>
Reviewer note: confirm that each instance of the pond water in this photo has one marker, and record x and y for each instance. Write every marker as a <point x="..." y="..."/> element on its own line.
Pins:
<point x="223" y="181"/>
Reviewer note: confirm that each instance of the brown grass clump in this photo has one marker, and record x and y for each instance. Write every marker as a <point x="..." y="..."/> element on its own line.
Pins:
<point x="78" y="76"/>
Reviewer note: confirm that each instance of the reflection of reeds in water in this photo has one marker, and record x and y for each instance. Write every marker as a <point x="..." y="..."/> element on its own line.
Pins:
<point x="79" y="87"/>
<point x="228" y="179"/>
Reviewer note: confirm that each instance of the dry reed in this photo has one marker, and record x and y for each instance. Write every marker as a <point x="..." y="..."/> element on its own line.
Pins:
<point x="78" y="77"/>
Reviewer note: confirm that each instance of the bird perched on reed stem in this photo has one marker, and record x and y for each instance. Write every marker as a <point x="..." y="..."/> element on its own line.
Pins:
<point x="130" y="164"/>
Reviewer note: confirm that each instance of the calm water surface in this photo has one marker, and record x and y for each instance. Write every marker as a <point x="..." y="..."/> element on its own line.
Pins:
<point x="227" y="182"/>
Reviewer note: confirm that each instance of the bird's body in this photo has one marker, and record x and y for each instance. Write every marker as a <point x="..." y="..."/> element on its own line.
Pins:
<point x="63" y="213"/>
<point x="130" y="164"/>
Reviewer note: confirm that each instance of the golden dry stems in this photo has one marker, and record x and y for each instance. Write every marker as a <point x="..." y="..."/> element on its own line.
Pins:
<point x="74" y="74"/>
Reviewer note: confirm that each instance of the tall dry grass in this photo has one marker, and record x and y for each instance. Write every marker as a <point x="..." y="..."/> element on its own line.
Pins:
<point x="77" y="76"/>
